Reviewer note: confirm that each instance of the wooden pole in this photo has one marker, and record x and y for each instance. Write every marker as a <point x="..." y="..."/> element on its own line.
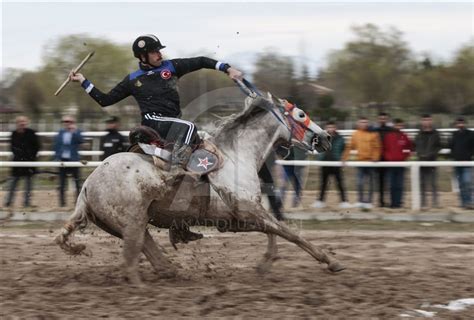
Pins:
<point x="83" y="62"/>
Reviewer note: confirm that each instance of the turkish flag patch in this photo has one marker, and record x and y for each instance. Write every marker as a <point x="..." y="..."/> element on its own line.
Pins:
<point x="165" y="74"/>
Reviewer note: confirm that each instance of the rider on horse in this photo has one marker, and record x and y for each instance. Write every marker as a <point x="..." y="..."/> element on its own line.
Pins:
<point x="154" y="87"/>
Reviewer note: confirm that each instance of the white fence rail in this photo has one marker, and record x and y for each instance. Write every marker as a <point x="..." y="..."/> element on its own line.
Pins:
<point x="94" y="134"/>
<point x="51" y="153"/>
<point x="4" y="154"/>
<point x="413" y="165"/>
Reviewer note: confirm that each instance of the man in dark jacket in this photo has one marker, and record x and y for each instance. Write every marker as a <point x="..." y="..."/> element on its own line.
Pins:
<point x="383" y="128"/>
<point x="24" y="145"/>
<point x="335" y="154"/>
<point x="427" y="146"/>
<point x="66" y="148"/>
<point x="462" y="149"/>
<point x="113" y="142"/>
<point x="155" y="88"/>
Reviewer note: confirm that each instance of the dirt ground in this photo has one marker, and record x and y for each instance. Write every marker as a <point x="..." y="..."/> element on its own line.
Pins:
<point x="390" y="273"/>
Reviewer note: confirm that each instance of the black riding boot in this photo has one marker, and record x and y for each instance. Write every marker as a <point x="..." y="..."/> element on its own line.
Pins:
<point x="180" y="156"/>
<point x="182" y="234"/>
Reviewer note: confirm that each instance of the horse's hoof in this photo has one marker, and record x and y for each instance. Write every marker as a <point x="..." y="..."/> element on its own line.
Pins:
<point x="264" y="267"/>
<point x="138" y="285"/>
<point x="336" y="266"/>
<point x="77" y="249"/>
<point x="134" y="281"/>
<point x="168" y="274"/>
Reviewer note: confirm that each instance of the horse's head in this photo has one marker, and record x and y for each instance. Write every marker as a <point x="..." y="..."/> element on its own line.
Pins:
<point x="304" y="133"/>
<point x="301" y="130"/>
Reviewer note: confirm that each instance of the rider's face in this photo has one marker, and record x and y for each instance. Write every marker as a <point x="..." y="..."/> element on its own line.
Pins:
<point x="155" y="58"/>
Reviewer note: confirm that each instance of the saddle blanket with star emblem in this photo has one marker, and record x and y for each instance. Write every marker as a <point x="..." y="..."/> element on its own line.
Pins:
<point x="204" y="159"/>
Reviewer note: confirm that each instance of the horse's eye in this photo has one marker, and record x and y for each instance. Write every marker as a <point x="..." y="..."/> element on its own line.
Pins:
<point x="299" y="115"/>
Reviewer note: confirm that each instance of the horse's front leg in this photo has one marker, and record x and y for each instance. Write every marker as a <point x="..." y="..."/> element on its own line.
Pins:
<point x="253" y="217"/>
<point x="282" y="230"/>
<point x="270" y="255"/>
<point x="243" y="199"/>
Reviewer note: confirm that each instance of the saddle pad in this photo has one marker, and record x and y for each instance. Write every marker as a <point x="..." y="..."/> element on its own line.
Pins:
<point x="202" y="161"/>
<point x="153" y="150"/>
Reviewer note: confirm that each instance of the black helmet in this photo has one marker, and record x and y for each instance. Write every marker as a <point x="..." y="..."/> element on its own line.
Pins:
<point x="146" y="43"/>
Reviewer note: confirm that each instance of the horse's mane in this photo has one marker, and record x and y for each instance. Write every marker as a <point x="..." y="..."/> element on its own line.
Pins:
<point x="236" y="119"/>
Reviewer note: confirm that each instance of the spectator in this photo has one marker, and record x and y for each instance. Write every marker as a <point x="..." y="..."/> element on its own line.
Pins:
<point x="335" y="154"/>
<point x="293" y="174"/>
<point x="396" y="147"/>
<point x="113" y="142"/>
<point x="427" y="146"/>
<point x="382" y="129"/>
<point x="66" y="148"/>
<point x="368" y="147"/>
<point x="462" y="149"/>
<point x="268" y="186"/>
<point x="24" y="144"/>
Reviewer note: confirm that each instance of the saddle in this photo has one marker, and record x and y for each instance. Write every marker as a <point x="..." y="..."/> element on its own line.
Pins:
<point x="205" y="156"/>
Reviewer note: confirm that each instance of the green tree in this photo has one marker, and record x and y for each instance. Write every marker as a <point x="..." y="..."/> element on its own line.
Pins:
<point x="369" y="68"/>
<point x="110" y="64"/>
<point x="275" y="73"/>
<point x="28" y="93"/>
<point x="442" y="87"/>
<point x="461" y="76"/>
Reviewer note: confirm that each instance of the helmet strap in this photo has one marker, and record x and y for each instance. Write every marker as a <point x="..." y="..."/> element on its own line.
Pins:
<point x="144" y="60"/>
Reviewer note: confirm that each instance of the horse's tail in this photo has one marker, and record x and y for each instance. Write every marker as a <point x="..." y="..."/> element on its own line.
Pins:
<point x="78" y="219"/>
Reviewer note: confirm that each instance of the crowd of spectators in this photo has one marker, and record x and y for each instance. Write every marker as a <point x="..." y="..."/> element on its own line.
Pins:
<point x="387" y="142"/>
<point x="25" y="144"/>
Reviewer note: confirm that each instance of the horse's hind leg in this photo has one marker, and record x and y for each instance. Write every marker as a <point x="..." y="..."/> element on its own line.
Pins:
<point x="158" y="260"/>
<point x="133" y="240"/>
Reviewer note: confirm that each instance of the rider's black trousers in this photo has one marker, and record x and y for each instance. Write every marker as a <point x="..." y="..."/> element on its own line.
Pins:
<point x="172" y="130"/>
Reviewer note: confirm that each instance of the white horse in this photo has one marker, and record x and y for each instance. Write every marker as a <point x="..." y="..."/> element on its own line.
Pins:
<point x="127" y="191"/>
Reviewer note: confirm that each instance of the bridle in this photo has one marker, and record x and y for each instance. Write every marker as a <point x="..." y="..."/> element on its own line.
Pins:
<point x="285" y="115"/>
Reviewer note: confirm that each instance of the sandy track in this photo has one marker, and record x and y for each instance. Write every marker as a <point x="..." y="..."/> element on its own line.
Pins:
<point x="390" y="273"/>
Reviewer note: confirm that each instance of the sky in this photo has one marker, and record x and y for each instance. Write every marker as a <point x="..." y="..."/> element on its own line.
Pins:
<point x="233" y="32"/>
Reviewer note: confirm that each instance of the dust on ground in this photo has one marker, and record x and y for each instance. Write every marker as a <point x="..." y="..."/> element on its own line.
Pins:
<point x="389" y="273"/>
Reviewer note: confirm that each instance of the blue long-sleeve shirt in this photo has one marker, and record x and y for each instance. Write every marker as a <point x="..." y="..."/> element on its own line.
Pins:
<point x="71" y="148"/>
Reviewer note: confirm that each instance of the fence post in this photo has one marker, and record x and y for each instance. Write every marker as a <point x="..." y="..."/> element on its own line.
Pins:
<point x="95" y="147"/>
<point x="415" y="186"/>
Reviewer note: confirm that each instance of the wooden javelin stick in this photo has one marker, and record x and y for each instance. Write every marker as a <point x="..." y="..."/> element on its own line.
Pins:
<point x="74" y="71"/>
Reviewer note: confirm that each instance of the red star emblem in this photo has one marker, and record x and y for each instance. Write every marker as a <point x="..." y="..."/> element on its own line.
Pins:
<point x="165" y="74"/>
<point x="204" y="163"/>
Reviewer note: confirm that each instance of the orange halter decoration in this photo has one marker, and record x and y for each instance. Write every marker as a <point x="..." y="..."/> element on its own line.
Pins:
<point x="298" y="127"/>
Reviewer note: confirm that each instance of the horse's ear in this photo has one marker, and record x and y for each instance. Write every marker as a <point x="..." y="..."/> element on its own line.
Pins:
<point x="249" y="105"/>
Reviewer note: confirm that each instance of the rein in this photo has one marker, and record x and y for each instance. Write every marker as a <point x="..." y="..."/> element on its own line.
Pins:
<point x="250" y="90"/>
